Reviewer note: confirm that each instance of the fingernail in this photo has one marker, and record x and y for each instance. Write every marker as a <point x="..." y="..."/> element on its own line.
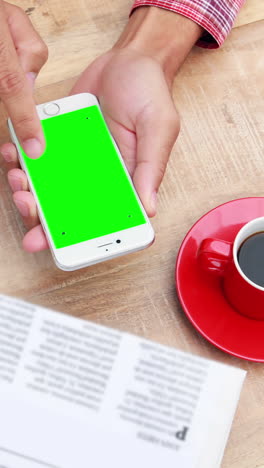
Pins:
<point x="154" y="201"/>
<point x="15" y="183"/>
<point x="22" y="207"/>
<point x="7" y="157"/>
<point x="32" y="148"/>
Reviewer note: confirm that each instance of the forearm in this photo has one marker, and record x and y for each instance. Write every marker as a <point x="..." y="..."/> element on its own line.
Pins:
<point x="163" y="35"/>
<point x="216" y="17"/>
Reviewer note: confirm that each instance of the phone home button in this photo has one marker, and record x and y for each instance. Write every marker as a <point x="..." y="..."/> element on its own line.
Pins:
<point x="51" y="109"/>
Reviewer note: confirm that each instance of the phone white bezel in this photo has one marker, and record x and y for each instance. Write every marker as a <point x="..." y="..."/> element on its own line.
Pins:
<point x="101" y="248"/>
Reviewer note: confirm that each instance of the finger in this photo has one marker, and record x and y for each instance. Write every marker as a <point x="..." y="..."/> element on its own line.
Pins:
<point x="26" y="206"/>
<point x="155" y="139"/>
<point x="16" y="94"/>
<point x="31" y="49"/>
<point x="35" y="240"/>
<point x="17" y="180"/>
<point x="9" y="153"/>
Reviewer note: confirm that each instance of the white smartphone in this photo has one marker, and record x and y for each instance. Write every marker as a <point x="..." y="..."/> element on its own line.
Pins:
<point x="87" y="205"/>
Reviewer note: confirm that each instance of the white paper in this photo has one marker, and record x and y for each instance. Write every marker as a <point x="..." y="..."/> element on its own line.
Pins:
<point x="74" y="394"/>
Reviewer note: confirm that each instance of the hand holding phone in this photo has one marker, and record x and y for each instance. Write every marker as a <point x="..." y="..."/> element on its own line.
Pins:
<point x="86" y="202"/>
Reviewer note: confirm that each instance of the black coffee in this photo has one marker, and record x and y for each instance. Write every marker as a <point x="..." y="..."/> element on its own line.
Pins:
<point x="251" y="258"/>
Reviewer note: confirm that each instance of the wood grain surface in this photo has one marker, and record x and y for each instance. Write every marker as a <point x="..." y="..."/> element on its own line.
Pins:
<point x="219" y="156"/>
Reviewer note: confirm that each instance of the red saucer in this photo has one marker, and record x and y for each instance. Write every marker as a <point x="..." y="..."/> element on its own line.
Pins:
<point x="201" y="294"/>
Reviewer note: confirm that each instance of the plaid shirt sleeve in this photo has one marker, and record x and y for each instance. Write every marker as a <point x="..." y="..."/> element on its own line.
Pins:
<point x="215" y="16"/>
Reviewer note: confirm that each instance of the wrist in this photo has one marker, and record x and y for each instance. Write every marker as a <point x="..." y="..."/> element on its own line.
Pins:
<point x="162" y="35"/>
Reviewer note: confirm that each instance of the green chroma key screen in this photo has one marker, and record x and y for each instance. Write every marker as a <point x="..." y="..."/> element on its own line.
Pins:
<point x="79" y="180"/>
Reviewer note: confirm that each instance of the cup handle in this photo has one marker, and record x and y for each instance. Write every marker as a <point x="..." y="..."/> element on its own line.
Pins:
<point x="214" y="255"/>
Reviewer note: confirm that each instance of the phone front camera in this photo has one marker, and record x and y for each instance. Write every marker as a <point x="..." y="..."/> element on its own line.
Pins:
<point x="118" y="241"/>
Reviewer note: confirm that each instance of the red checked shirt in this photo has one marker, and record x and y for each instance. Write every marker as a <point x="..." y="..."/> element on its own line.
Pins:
<point x="215" y="16"/>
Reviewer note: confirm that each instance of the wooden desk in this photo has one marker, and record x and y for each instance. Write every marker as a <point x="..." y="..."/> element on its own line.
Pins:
<point x="218" y="157"/>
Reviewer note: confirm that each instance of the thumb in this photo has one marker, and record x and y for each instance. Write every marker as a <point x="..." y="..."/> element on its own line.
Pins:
<point x="89" y="81"/>
<point x="156" y="134"/>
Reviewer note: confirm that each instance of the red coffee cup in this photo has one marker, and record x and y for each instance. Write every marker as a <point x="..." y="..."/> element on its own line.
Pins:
<point x="221" y="258"/>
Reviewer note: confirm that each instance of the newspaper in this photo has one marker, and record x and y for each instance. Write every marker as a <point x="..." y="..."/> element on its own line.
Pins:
<point x="74" y="394"/>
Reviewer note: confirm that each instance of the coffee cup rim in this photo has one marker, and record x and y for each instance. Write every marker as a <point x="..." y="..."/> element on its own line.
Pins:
<point x="237" y="243"/>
